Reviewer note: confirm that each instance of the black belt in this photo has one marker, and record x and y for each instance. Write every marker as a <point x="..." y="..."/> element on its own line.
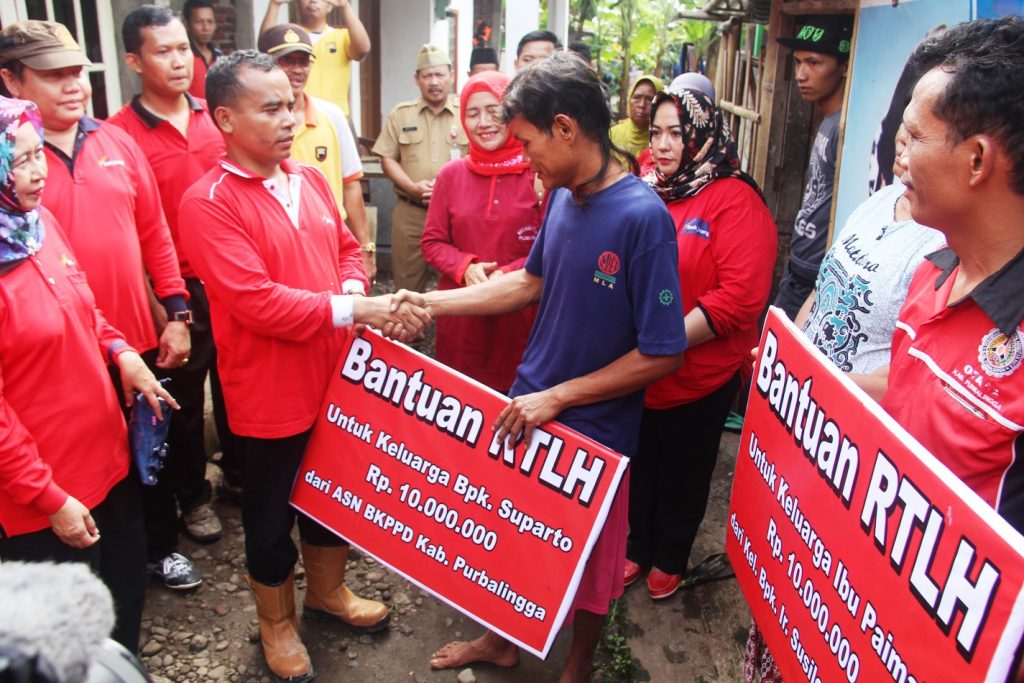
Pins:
<point x="410" y="200"/>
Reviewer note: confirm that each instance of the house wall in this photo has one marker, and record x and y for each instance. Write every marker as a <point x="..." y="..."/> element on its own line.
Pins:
<point x="521" y="17"/>
<point x="405" y="27"/>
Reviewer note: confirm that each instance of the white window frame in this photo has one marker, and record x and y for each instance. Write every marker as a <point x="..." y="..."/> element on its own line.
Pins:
<point x="15" y="10"/>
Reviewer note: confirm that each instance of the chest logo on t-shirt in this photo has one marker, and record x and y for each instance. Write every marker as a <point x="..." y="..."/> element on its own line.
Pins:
<point x="698" y="227"/>
<point x="999" y="355"/>
<point x="527" y="233"/>
<point x="321" y="152"/>
<point x="104" y="162"/>
<point x="608" y="264"/>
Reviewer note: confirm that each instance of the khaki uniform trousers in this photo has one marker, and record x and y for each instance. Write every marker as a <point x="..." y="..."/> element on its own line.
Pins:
<point x="407" y="264"/>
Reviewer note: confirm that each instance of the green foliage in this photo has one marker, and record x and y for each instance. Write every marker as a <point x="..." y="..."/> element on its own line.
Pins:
<point x="642" y="39"/>
<point x="637" y="36"/>
<point x="614" y="658"/>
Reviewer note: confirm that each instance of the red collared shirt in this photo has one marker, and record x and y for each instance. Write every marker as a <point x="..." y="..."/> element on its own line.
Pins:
<point x="475" y="218"/>
<point x="106" y="199"/>
<point x="61" y="429"/>
<point x="270" y="280"/>
<point x="199" y="68"/>
<point x="956" y="380"/>
<point x="177" y="161"/>
<point x="727" y="245"/>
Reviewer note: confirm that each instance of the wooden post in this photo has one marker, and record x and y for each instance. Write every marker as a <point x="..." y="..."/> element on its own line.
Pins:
<point x="772" y="72"/>
<point x="842" y="128"/>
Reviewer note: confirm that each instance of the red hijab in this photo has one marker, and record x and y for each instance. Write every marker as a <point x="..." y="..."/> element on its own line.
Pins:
<point x="509" y="157"/>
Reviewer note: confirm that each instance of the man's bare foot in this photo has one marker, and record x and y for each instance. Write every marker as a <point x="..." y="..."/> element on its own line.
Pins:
<point x="487" y="648"/>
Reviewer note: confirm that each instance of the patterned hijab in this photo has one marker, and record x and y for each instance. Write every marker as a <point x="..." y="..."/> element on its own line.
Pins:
<point x="708" y="150"/>
<point x="509" y="157"/>
<point x="21" y="232"/>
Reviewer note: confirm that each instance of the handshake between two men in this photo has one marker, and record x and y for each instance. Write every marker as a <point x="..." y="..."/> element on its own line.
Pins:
<point x="509" y="292"/>
<point x="398" y="322"/>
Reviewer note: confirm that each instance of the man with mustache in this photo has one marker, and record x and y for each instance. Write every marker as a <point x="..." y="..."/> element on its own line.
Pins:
<point x="419" y="137"/>
<point x="285" y="281"/>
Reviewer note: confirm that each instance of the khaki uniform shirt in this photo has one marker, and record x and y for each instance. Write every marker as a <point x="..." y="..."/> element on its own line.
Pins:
<point x="420" y="140"/>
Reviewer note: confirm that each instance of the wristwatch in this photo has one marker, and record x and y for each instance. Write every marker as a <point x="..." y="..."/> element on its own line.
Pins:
<point x="181" y="317"/>
<point x="370" y="248"/>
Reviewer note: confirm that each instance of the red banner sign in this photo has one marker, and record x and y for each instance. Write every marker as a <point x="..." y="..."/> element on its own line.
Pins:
<point x="403" y="463"/>
<point x="861" y="556"/>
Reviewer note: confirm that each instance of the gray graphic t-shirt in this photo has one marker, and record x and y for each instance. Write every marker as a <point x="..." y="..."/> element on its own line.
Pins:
<point x="863" y="281"/>
<point x="810" y="231"/>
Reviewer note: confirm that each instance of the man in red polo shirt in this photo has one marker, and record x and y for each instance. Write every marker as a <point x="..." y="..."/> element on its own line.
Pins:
<point x="956" y="381"/>
<point x="102" y="191"/>
<point x="284" y="277"/>
<point x="201" y="23"/>
<point x="181" y="143"/>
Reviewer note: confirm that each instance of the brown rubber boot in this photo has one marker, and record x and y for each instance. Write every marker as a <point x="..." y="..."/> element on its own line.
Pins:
<point x="329" y="599"/>
<point x="283" y="650"/>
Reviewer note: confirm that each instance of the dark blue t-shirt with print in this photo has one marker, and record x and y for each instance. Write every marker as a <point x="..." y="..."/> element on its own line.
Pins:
<point x="611" y="285"/>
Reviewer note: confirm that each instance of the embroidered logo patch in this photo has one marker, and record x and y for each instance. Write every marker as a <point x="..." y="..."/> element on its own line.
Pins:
<point x="321" y="152"/>
<point x="698" y="227"/>
<point x="527" y="233"/>
<point x="999" y="355"/>
<point x="608" y="264"/>
<point x="665" y="297"/>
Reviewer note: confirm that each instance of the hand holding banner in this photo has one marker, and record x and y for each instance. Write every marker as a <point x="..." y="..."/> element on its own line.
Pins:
<point x="861" y="556"/>
<point x="403" y="463"/>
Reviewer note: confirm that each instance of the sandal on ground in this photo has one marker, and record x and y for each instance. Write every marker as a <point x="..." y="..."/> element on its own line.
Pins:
<point x="713" y="568"/>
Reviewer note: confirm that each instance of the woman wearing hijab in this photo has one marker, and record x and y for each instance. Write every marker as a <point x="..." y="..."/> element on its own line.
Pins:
<point x="66" y="494"/>
<point x="632" y="134"/>
<point x="483" y="219"/>
<point x="727" y="246"/>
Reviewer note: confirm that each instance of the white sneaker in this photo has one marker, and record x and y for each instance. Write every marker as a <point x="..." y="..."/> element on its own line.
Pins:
<point x="177" y="572"/>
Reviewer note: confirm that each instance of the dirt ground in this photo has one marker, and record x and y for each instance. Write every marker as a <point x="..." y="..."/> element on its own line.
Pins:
<point x="210" y="633"/>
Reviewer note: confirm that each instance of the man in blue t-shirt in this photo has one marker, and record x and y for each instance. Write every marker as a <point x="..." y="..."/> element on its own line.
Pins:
<point x="604" y="269"/>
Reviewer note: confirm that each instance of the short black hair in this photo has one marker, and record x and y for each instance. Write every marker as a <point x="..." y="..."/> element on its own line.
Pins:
<point x="223" y="84"/>
<point x="985" y="59"/>
<point x="17" y="68"/>
<point x="140" y="18"/>
<point x="538" y="36"/>
<point x="192" y="5"/>
<point x="582" y="49"/>
<point x="563" y="84"/>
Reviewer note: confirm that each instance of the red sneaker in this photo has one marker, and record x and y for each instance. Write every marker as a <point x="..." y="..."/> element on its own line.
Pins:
<point x="662" y="585"/>
<point x="632" y="573"/>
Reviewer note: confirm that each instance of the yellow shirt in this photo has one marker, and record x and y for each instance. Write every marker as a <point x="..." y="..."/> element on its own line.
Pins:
<point x="626" y="135"/>
<point x="325" y="142"/>
<point x="329" y="77"/>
